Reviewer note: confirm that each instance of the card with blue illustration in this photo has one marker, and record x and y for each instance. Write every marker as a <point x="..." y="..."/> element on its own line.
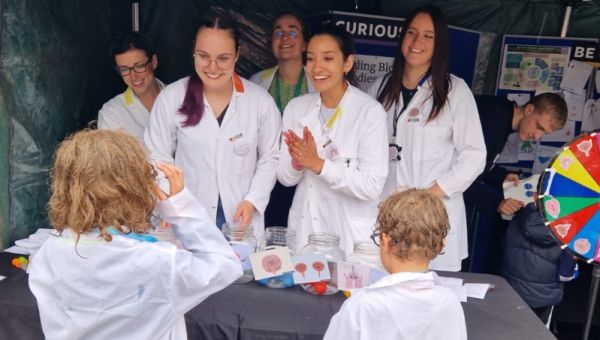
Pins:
<point x="310" y="268"/>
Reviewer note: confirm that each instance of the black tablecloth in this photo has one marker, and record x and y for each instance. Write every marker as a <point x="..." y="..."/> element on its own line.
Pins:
<point x="250" y="311"/>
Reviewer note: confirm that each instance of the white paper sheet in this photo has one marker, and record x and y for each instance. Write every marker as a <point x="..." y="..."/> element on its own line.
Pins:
<point x="519" y="98"/>
<point x="576" y="75"/>
<point x="450" y="281"/>
<point x="544" y="154"/>
<point x="575" y="104"/>
<point x="591" y="115"/>
<point x="477" y="290"/>
<point x="510" y="153"/>
<point x="566" y="134"/>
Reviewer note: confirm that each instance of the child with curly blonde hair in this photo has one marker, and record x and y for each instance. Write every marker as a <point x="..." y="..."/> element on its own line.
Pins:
<point x="410" y="303"/>
<point x="101" y="277"/>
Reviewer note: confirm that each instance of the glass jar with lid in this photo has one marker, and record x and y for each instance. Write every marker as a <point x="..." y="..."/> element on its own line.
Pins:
<point x="328" y="245"/>
<point x="367" y="253"/>
<point x="276" y="236"/>
<point x="243" y="243"/>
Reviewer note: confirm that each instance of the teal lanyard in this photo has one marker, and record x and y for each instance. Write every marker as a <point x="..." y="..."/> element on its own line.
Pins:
<point x="297" y="90"/>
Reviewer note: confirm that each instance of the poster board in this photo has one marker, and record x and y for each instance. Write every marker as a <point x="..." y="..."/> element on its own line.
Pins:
<point x="532" y="65"/>
<point x="376" y="40"/>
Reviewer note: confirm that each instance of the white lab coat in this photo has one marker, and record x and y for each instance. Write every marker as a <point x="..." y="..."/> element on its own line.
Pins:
<point x="449" y="150"/>
<point x="402" y="306"/>
<point x="342" y="199"/>
<point x="128" y="289"/>
<point x="237" y="160"/>
<point x="126" y="111"/>
<point x="264" y="78"/>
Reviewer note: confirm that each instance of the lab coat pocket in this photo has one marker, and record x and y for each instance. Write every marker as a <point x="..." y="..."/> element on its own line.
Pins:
<point x="241" y="149"/>
<point x="433" y="142"/>
<point x="245" y="152"/>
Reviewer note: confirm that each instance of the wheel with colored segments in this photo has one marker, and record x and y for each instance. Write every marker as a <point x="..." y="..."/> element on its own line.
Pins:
<point x="569" y="192"/>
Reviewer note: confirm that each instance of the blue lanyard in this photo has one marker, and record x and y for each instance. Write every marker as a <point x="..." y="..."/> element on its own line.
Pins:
<point x="398" y="113"/>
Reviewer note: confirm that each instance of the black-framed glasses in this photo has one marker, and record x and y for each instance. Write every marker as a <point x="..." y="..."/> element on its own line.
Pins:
<point x="375" y="235"/>
<point x="279" y="34"/>
<point x="137" y="68"/>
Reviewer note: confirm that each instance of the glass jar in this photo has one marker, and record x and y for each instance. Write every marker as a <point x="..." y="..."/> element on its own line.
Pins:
<point x="328" y="245"/>
<point x="278" y="237"/>
<point x="367" y="253"/>
<point x="243" y="243"/>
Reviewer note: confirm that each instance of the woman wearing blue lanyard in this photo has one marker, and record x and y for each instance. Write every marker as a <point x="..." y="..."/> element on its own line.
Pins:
<point x="285" y="81"/>
<point x="335" y="147"/>
<point x="436" y="141"/>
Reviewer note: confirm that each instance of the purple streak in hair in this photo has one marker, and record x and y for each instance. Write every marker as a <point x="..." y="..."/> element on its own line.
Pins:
<point x="193" y="102"/>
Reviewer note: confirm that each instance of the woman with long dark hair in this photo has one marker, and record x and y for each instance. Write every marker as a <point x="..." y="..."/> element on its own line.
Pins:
<point x="222" y="130"/>
<point x="336" y="147"/>
<point x="436" y="141"/>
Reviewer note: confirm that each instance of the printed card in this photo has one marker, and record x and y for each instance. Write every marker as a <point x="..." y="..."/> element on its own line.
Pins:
<point x="243" y="251"/>
<point x="272" y="262"/>
<point x="310" y="268"/>
<point x="352" y="275"/>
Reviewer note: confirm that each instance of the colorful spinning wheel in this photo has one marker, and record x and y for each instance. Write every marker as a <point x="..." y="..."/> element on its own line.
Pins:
<point x="570" y="196"/>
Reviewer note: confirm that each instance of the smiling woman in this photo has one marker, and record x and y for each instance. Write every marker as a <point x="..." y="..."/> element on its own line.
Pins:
<point x="285" y="81"/>
<point x="335" y="147"/>
<point x="135" y="61"/>
<point x="438" y="144"/>
<point x="222" y="130"/>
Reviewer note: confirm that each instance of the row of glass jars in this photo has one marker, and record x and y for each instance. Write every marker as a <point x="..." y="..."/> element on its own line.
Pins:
<point x="244" y="243"/>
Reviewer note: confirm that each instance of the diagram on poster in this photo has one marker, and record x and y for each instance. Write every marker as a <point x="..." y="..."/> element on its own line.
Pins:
<point x="527" y="150"/>
<point x="575" y="104"/>
<point x="544" y="154"/>
<point x="566" y="134"/>
<point x="528" y="67"/>
<point x="591" y="115"/>
<point x="510" y="153"/>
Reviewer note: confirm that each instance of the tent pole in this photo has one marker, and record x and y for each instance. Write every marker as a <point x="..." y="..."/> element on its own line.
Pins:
<point x="566" y="20"/>
<point x="135" y="16"/>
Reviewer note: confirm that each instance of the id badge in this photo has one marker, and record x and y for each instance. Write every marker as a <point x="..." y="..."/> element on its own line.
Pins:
<point x="331" y="150"/>
<point x="394" y="152"/>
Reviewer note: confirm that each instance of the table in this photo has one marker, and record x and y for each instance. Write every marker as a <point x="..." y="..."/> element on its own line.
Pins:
<point x="250" y="311"/>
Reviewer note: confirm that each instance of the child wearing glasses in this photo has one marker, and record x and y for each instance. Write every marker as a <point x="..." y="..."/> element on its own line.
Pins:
<point x="100" y="277"/>
<point x="287" y="80"/>
<point x="135" y="61"/>
<point x="409" y="303"/>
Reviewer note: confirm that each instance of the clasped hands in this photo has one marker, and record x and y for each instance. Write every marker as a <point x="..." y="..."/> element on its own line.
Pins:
<point x="304" y="150"/>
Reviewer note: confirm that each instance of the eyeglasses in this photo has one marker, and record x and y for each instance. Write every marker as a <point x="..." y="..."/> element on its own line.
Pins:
<point x="375" y="235"/>
<point x="280" y="34"/>
<point x="137" y="68"/>
<point x="223" y="62"/>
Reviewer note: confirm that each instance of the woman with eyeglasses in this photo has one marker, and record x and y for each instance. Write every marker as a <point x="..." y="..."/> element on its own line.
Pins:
<point x="222" y="130"/>
<point x="135" y="61"/>
<point x="436" y="141"/>
<point x="335" y="147"/>
<point x="287" y="80"/>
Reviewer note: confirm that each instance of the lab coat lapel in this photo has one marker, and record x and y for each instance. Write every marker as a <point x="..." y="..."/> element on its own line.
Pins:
<point x="238" y="89"/>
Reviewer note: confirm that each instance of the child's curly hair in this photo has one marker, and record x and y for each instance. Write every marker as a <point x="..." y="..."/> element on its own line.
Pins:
<point x="417" y="223"/>
<point x="101" y="178"/>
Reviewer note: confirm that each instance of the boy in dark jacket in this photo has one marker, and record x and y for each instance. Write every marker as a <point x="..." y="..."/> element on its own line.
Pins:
<point x="533" y="262"/>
